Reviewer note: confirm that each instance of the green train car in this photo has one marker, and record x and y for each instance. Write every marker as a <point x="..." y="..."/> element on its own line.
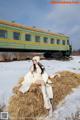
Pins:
<point x="17" y="37"/>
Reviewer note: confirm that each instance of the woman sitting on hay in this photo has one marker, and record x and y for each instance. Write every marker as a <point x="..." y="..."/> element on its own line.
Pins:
<point x="38" y="75"/>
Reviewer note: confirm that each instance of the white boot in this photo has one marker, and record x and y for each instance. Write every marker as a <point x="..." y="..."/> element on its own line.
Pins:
<point x="50" y="112"/>
<point x="49" y="91"/>
<point x="47" y="103"/>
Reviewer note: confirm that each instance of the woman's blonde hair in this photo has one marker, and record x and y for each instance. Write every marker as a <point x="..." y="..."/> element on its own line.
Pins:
<point x="37" y="58"/>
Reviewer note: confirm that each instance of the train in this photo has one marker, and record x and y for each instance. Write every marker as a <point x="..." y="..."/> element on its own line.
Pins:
<point x="18" y="37"/>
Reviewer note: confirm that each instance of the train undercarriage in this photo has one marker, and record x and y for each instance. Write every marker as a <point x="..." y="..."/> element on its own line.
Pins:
<point x="57" y="54"/>
<point x="24" y="54"/>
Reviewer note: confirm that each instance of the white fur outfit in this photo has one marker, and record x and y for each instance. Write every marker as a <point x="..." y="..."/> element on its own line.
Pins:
<point x="34" y="76"/>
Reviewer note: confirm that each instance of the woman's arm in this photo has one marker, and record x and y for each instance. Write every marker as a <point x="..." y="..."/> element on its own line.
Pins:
<point x="31" y="69"/>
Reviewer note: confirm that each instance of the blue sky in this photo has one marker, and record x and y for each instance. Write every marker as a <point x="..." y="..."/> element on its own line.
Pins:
<point x="57" y="18"/>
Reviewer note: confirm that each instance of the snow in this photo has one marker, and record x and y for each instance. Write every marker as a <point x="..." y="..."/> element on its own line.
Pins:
<point x="69" y="105"/>
<point x="53" y="66"/>
<point x="11" y="72"/>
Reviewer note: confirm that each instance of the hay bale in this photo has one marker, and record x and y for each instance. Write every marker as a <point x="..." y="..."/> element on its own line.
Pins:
<point x="26" y="106"/>
<point x="30" y="105"/>
<point x="63" y="85"/>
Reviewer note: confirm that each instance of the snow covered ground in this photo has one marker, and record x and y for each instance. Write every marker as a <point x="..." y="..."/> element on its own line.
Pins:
<point x="68" y="106"/>
<point x="11" y="72"/>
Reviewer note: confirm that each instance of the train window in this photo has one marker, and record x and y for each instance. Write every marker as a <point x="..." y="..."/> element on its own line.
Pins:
<point x="3" y="34"/>
<point x="16" y="35"/>
<point x="63" y="42"/>
<point x="67" y="42"/>
<point x="45" y="39"/>
<point x="37" y="38"/>
<point x="52" y="41"/>
<point x="28" y="37"/>
<point x="58" y="41"/>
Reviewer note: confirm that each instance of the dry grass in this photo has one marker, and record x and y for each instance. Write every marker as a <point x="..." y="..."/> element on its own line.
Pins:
<point x="2" y="107"/>
<point x="26" y="106"/>
<point x="64" y="85"/>
<point x="30" y="105"/>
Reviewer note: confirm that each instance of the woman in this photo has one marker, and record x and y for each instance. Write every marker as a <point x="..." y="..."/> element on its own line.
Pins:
<point x="38" y="75"/>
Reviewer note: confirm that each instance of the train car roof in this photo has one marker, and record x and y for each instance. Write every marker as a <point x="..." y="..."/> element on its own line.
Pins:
<point x="13" y="24"/>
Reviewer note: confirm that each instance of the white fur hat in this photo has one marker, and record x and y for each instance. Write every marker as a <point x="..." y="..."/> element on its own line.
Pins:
<point x="37" y="58"/>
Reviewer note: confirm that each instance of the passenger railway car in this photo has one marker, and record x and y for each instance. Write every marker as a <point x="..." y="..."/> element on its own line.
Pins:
<point x="17" y="37"/>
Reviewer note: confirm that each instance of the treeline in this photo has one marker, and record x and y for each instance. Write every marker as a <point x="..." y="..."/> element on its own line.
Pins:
<point x="76" y="52"/>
